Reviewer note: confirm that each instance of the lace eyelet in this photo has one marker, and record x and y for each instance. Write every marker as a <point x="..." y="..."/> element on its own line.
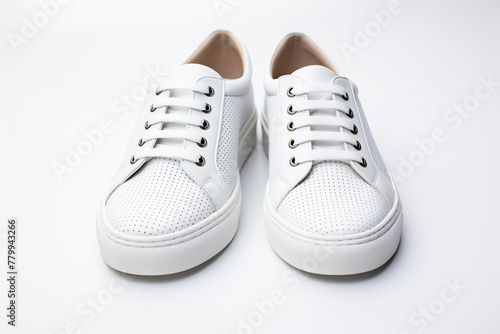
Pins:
<point x="363" y="163"/>
<point x="201" y="162"/>
<point x="133" y="160"/>
<point x="208" y="108"/>
<point x="292" y="144"/>
<point x="290" y="126"/>
<point x="292" y="162"/>
<point x="141" y="142"/>
<point x="290" y="110"/>
<point x="346" y="96"/>
<point x="205" y="125"/>
<point x="147" y="126"/>
<point x="152" y="109"/>
<point x="203" y="142"/>
<point x="350" y="114"/>
<point x="358" y="146"/>
<point x="211" y="92"/>
<point x="289" y="92"/>
<point x="354" y="130"/>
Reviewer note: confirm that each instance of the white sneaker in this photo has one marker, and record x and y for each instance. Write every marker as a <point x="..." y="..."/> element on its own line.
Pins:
<point x="175" y="202"/>
<point x="331" y="204"/>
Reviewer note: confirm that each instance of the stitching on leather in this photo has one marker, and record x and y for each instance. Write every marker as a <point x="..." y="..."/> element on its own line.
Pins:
<point x="151" y="243"/>
<point x="308" y="240"/>
<point x="228" y="212"/>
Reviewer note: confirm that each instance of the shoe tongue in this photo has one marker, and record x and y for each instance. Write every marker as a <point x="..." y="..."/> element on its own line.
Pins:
<point x="184" y="73"/>
<point x="192" y="72"/>
<point x="317" y="74"/>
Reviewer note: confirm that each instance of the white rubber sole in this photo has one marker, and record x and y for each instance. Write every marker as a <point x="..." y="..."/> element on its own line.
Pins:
<point x="182" y="250"/>
<point x="332" y="255"/>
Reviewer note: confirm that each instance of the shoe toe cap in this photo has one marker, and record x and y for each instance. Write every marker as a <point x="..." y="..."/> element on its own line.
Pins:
<point x="333" y="200"/>
<point x="159" y="200"/>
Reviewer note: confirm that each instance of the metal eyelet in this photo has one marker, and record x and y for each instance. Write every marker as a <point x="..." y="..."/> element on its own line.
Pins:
<point x="358" y="146"/>
<point x="354" y="130"/>
<point x="290" y="110"/>
<point x="292" y="144"/>
<point x="292" y="162"/>
<point x="133" y="160"/>
<point x="346" y="96"/>
<point x="203" y="142"/>
<point x="363" y="163"/>
<point x="152" y="109"/>
<point x="350" y="114"/>
<point x="211" y="92"/>
<point x="147" y="126"/>
<point x="208" y="108"/>
<point x="205" y="125"/>
<point x="290" y="126"/>
<point x="201" y="162"/>
<point x="141" y="142"/>
<point x="289" y="92"/>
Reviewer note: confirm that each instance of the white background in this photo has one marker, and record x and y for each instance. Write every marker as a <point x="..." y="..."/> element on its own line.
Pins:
<point x="65" y="79"/>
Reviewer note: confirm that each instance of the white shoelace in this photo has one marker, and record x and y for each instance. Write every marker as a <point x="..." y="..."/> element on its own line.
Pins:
<point x="341" y="129"/>
<point x="159" y="115"/>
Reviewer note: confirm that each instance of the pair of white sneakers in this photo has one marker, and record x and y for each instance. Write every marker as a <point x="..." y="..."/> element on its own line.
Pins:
<point x="331" y="205"/>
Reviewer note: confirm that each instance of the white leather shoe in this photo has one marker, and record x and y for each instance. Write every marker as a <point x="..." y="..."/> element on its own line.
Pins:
<point x="175" y="202"/>
<point x="332" y="207"/>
